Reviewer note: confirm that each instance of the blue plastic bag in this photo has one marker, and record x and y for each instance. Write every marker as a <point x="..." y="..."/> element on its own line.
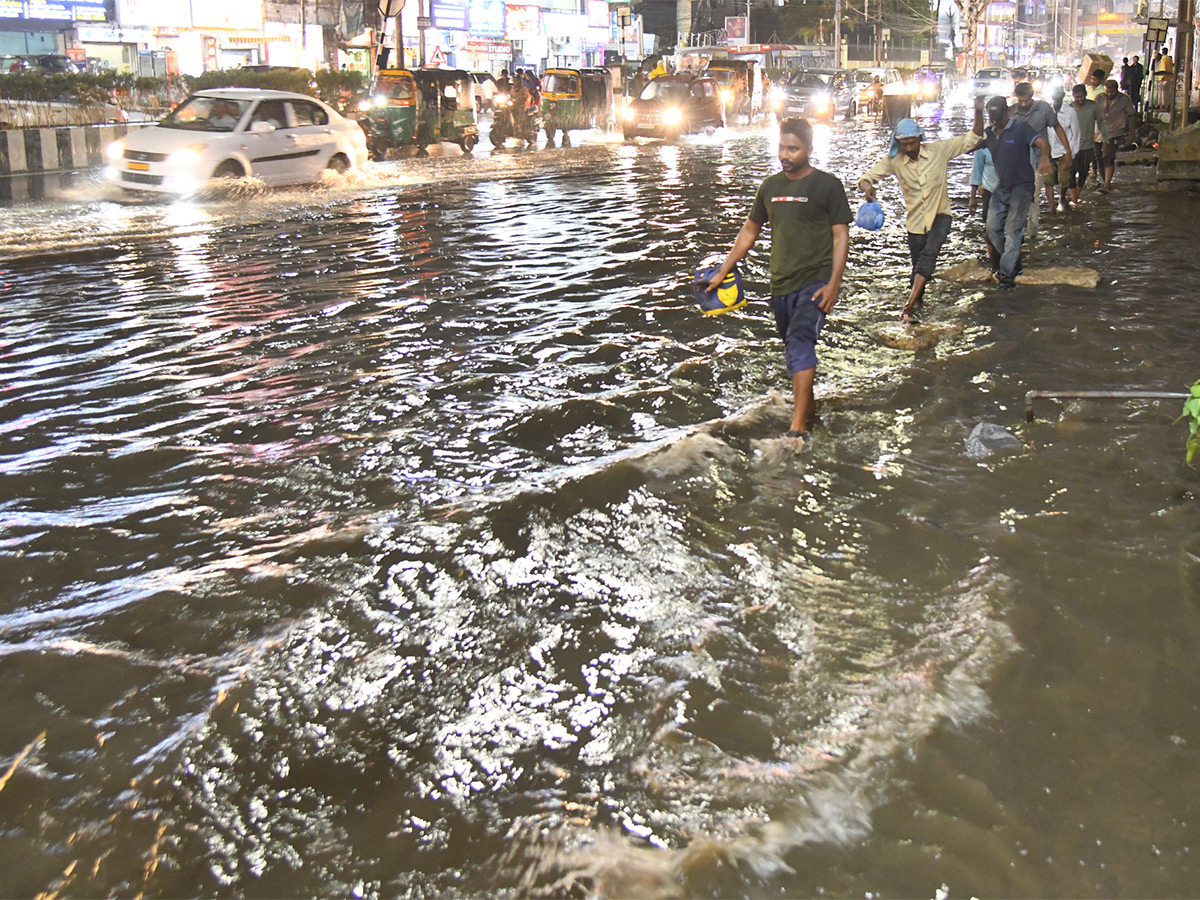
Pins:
<point x="728" y="296"/>
<point x="870" y="216"/>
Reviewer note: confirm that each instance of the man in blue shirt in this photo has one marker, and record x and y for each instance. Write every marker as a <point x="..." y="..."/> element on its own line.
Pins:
<point x="1009" y="141"/>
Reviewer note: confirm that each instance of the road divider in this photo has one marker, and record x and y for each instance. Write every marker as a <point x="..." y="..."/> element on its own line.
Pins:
<point x="33" y="150"/>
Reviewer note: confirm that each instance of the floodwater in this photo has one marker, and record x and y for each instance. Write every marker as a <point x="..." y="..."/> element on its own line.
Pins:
<point x="370" y="540"/>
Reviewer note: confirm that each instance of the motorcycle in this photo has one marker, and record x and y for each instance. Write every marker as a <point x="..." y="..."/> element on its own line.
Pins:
<point x="504" y="121"/>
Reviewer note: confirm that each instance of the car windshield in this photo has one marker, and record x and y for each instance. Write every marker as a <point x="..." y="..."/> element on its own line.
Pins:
<point x="990" y="73"/>
<point x="665" y="90"/>
<point x="865" y="76"/>
<point x="395" y="88"/>
<point x="562" y="84"/>
<point x="206" y="114"/>
<point x="810" y="80"/>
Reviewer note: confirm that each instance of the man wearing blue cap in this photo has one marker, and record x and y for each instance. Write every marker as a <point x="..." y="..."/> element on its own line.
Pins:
<point x="921" y="169"/>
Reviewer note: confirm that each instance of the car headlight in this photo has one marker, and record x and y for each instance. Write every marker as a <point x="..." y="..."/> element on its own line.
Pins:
<point x="184" y="156"/>
<point x="672" y="116"/>
<point x="630" y="114"/>
<point x="777" y="94"/>
<point x="115" y="150"/>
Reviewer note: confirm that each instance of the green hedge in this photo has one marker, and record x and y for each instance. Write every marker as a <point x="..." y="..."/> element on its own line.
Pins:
<point x="157" y="95"/>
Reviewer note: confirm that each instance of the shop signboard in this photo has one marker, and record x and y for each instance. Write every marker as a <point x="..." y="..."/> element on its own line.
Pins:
<point x="449" y="15"/>
<point x="61" y="10"/>
<point x="522" y="23"/>
<point x="154" y="13"/>
<point x="487" y="18"/>
<point x="597" y="13"/>
<point x="495" y="49"/>
<point x="234" y="14"/>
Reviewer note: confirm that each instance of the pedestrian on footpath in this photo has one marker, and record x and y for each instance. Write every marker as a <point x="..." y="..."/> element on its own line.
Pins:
<point x="810" y="242"/>
<point x="1137" y="74"/>
<point x="921" y="168"/>
<point x="1120" y="121"/>
<point x="1090" y="120"/>
<point x="1010" y="141"/>
<point x="1041" y="117"/>
<point x="1062" y="156"/>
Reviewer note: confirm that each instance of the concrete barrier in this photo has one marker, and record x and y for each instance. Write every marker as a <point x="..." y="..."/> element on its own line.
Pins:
<point x="32" y="150"/>
<point x="1179" y="154"/>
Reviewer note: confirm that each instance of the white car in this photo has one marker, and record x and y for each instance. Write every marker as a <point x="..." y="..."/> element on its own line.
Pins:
<point x="276" y="136"/>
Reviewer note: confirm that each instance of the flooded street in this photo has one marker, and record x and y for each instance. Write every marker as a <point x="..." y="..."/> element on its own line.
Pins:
<point x="365" y="541"/>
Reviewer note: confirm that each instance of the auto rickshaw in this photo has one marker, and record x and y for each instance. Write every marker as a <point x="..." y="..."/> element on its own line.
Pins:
<point x="573" y="99"/>
<point x="420" y="108"/>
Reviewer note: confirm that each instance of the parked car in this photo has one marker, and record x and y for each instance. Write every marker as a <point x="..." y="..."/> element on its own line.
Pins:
<point x="11" y="63"/>
<point x="277" y="136"/>
<point x="993" y="82"/>
<point x="51" y="63"/>
<point x="671" y="105"/>
<point x="485" y="89"/>
<point x="817" y="94"/>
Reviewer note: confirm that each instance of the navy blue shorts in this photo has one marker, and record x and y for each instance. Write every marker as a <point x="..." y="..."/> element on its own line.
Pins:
<point x="799" y="320"/>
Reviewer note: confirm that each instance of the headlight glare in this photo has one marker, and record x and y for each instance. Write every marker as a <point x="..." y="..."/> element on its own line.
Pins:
<point x="184" y="156"/>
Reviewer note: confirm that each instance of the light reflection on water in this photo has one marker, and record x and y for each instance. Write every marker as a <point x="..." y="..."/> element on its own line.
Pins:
<point x="363" y="539"/>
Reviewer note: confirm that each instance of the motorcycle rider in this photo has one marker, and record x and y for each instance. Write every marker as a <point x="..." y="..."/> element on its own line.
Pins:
<point x="520" y="103"/>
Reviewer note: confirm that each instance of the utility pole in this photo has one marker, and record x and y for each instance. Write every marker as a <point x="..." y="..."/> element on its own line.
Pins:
<point x="1184" y="45"/>
<point x="837" y="34"/>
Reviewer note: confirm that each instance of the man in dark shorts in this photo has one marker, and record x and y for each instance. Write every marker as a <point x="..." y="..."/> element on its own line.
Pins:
<point x="920" y="167"/>
<point x="810" y="241"/>
<point x="1090" y="118"/>
<point x="1121" y="123"/>
<point x="1010" y="141"/>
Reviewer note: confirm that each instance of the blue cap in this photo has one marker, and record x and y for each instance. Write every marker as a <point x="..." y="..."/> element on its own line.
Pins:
<point x="907" y="128"/>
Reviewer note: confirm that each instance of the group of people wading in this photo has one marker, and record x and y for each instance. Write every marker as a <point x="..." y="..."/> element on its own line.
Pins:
<point x="1027" y="147"/>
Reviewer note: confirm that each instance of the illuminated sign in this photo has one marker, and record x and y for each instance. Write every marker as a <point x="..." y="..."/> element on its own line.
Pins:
<point x="597" y="13"/>
<point x="62" y="10"/>
<point x="155" y="13"/>
<point x="450" y="15"/>
<point x="226" y="14"/>
<point x="487" y="18"/>
<point x="522" y="23"/>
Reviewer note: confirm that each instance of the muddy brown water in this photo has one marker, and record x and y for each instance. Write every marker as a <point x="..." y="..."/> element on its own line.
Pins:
<point x="362" y="541"/>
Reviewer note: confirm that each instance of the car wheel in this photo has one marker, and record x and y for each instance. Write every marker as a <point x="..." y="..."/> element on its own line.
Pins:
<point x="231" y="168"/>
<point x="338" y="163"/>
<point x="851" y="110"/>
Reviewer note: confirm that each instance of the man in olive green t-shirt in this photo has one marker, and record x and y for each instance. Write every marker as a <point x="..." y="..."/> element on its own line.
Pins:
<point x="810" y="241"/>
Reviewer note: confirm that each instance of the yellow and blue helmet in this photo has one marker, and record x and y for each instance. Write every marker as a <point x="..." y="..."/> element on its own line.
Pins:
<point x="728" y="296"/>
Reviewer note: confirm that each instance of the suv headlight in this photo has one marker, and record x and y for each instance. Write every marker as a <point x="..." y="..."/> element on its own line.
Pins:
<point x="672" y="116"/>
<point x="115" y="151"/>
